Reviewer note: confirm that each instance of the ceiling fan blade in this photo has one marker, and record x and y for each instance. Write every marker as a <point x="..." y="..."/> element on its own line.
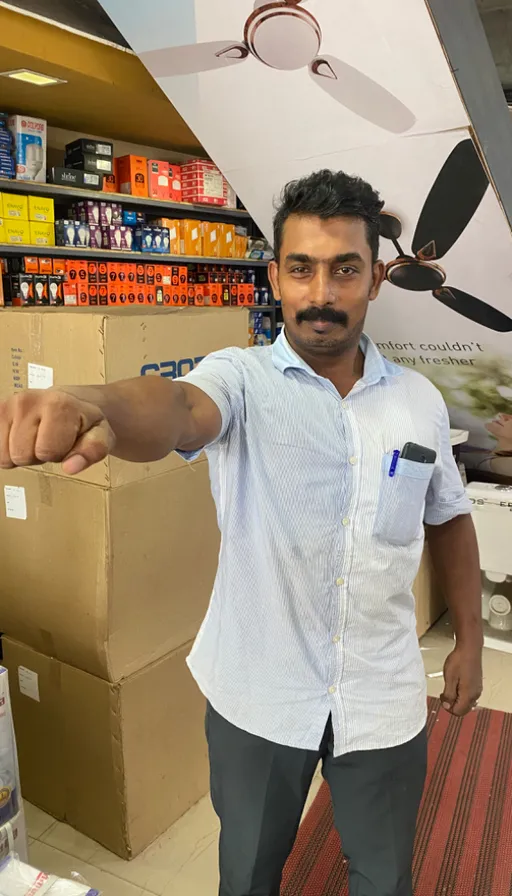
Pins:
<point x="473" y="309"/>
<point x="354" y="90"/>
<point x="453" y="200"/>
<point x="194" y="58"/>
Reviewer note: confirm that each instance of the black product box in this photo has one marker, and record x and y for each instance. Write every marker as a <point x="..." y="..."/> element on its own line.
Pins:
<point x="92" y="147"/>
<point x="55" y="290"/>
<point x="86" y="161"/>
<point x="20" y="289"/>
<point x="72" y="177"/>
<point x="41" y="289"/>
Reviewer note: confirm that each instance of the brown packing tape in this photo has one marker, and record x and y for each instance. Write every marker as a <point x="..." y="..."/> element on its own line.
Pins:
<point x="45" y="491"/>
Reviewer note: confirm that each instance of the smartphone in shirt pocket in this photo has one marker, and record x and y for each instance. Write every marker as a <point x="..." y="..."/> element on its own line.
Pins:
<point x="405" y="478"/>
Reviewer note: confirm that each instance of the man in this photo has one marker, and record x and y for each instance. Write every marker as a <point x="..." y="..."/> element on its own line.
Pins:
<point x="308" y="652"/>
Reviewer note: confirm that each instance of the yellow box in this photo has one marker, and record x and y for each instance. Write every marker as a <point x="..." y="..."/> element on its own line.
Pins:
<point x="41" y="209"/>
<point x="42" y="234"/>
<point x="212" y="234"/>
<point x="16" y="232"/>
<point x="1" y="205"/>
<point x="2" y="231"/>
<point x="15" y="206"/>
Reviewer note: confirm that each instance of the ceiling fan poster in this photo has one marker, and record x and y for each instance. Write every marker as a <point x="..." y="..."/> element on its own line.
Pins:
<point x="275" y="89"/>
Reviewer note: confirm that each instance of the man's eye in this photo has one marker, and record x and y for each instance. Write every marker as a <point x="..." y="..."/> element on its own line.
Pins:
<point x="345" y="271"/>
<point x="300" y="270"/>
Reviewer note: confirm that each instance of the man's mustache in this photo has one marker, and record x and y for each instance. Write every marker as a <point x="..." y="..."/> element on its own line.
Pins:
<point x="326" y="314"/>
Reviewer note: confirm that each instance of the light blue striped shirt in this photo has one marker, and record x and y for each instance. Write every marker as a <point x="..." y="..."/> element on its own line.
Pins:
<point x="312" y="611"/>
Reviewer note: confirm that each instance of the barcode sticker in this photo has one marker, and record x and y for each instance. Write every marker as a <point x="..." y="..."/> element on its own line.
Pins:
<point x="29" y="683"/>
<point x="39" y="376"/>
<point x="15" y="502"/>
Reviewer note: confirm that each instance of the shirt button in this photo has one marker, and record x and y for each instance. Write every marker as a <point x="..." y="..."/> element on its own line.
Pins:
<point x="352" y="461"/>
<point x="336" y="639"/>
<point x="344" y="405"/>
<point x="345" y="521"/>
<point x="340" y="581"/>
<point x="332" y="689"/>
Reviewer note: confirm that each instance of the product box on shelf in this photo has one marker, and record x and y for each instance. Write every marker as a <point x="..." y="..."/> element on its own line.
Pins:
<point x="73" y="177"/>
<point x="158" y="179"/>
<point x="191" y="242"/>
<point x="128" y="555"/>
<point x="104" y="748"/>
<point x="212" y="239"/>
<point x="30" y="135"/>
<point x="133" y="175"/>
<point x="42" y="234"/>
<point x="14" y="206"/>
<point x="91" y="147"/>
<point x="2" y="231"/>
<point x="41" y="209"/>
<point x="85" y="347"/>
<point x="175" y="185"/>
<point x="89" y="211"/>
<point x="111" y="181"/>
<point x="16" y="231"/>
<point x="90" y="162"/>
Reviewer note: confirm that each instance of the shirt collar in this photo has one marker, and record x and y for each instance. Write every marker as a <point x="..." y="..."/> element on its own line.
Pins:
<point x="376" y="367"/>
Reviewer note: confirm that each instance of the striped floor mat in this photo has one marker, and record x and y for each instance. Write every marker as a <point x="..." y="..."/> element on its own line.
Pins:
<point x="464" y="840"/>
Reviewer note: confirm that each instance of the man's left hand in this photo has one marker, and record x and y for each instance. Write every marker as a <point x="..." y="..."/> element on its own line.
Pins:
<point x="463" y="680"/>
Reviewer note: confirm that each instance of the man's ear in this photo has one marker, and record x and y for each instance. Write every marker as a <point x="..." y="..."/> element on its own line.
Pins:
<point x="273" y="276"/>
<point x="379" y="273"/>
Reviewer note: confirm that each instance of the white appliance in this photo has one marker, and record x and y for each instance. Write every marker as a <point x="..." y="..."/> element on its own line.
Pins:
<point x="492" y="516"/>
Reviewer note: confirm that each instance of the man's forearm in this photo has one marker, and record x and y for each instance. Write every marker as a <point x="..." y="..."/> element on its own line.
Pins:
<point x="148" y="415"/>
<point x="454" y="553"/>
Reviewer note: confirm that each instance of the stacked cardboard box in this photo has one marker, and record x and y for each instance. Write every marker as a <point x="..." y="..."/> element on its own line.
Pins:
<point x="105" y="581"/>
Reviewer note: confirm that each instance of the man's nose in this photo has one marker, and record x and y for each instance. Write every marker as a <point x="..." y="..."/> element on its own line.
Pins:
<point x="320" y="289"/>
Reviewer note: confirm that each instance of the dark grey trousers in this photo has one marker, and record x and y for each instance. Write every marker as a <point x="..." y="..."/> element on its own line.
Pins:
<point x="259" y="790"/>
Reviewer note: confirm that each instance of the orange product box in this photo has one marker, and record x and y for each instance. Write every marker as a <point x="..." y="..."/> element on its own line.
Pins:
<point x="133" y="175"/>
<point x="103" y="294"/>
<point x="140" y="293"/>
<point x="191" y="294"/>
<point x="92" y="271"/>
<point x="233" y="294"/>
<point x="200" y="294"/>
<point x="245" y="294"/>
<point x="141" y="274"/>
<point x="225" y="294"/>
<point x="45" y="266"/>
<point x="174" y="238"/>
<point x="175" y="194"/>
<point x="83" y="293"/>
<point x="190" y="237"/>
<point x="111" y="181"/>
<point x="228" y="240"/>
<point x="213" y="239"/>
<point x="59" y="267"/>
<point x="30" y="265"/>
<point x="76" y="270"/>
<point x="150" y="294"/>
<point x="241" y="245"/>
<point x="175" y="275"/>
<point x="93" y="294"/>
<point x="175" y="296"/>
<point x="70" y="292"/>
<point x="113" y="282"/>
<point x="102" y="272"/>
<point x="149" y="274"/>
<point x="183" y="275"/>
<point x="183" y="297"/>
<point x="215" y="290"/>
<point x="158" y="179"/>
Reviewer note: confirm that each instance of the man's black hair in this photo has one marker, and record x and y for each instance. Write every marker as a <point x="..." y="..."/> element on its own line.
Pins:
<point x="330" y="194"/>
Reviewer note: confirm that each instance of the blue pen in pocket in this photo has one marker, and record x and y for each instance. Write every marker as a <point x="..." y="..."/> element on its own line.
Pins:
<point x="393" y="464"/>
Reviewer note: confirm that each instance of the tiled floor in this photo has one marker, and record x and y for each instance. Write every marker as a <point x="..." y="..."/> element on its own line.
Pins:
<point x="184" y="861"/>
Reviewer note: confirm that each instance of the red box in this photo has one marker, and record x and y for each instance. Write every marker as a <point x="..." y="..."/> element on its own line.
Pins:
<point x="175" y="187"/>
<point x="93" y="294"/>
<point x="150" y="275"/>
<point x="158" y="179"/>
<point x="200" y="294"/>
<point x="103" y="294"/>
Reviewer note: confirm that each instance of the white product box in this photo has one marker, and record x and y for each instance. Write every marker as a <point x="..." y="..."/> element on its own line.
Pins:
<point x="10" y="797"/>
<point x="30" y="135"/>
<point x="13" y="838"/>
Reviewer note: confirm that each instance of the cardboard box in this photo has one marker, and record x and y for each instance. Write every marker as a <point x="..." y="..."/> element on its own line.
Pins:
<point x="175" y="188"/>
<point x="158" y="179"/>
<point x="41" y="209"/>
<point x="42" y="234"/>
<point x="107" y="580"/>
<point x="17" y="232"/>
<point x="132" y="172"/>
<point x="15" y="206"/>
<point x="94" y="347"/>
<point x="212" y="238"/>
<point x="2" y="231"/>
<point x="121" y="763"/>
<point x="191" y="242"/>
<point x="30" y="138"/>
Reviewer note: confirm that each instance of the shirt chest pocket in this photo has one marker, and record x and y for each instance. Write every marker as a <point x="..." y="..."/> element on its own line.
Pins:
<point x="401" y="502"/>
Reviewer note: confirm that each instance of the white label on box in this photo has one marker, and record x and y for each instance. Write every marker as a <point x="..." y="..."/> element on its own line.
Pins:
<point x="195" y="234"/>
<point x="29" y="683"/>
<point x="213" y="236"/>
<point x="104" y="165"/>
<point x="229" y="236"/>
<point x="172" y="233"/>
<point x="39" y="376"/>
<point x="103" y="149"/>
<point x="15" y="502"/>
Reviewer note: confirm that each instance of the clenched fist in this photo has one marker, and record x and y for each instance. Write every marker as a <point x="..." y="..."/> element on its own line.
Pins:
<point x="52" y="426"/>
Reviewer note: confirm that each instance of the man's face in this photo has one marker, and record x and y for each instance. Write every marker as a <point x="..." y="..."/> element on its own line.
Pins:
<point x="325" y="280"/>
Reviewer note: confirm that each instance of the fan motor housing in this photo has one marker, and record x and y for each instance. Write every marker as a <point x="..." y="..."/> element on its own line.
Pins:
<point x="283" y="36"/>
<point x="416" y="275"/>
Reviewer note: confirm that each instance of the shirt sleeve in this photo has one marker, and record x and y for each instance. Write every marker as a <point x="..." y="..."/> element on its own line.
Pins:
<point x="446" y="496"/>
<point x="219" y="376"/>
